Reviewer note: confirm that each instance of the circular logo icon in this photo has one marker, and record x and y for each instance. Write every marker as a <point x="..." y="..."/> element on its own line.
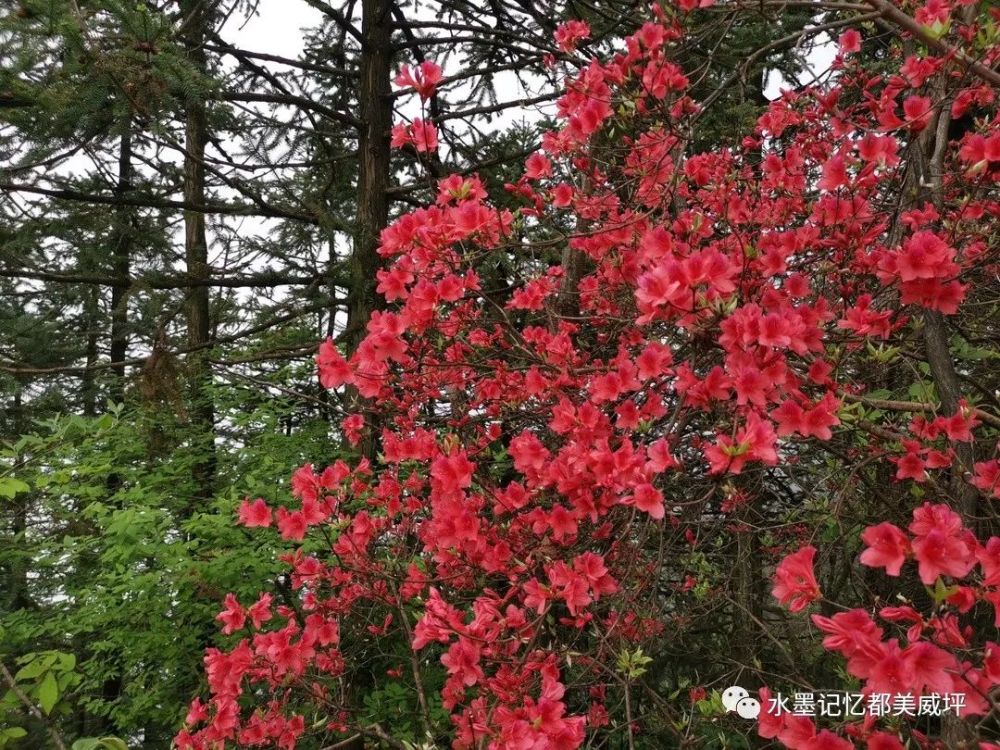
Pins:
<point x="748" y="708"/>
<point x="731" y="697"/>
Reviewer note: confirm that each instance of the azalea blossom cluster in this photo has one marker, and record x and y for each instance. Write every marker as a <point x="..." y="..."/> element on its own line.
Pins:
<point x="420" y="134"/>
<point x="933" y="657"/>
<point x="547" y="452"/>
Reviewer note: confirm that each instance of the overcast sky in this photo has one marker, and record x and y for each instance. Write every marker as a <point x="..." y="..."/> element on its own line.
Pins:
<point x="276" y="28"/>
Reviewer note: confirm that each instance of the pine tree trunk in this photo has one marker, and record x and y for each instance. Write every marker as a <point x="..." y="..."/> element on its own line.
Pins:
<point x="197" y="15"/>
<point x="121" y="261"/>
<point x="375" y="108"/>
<point x="88" y="384"/>
<point x="16" y="584"/>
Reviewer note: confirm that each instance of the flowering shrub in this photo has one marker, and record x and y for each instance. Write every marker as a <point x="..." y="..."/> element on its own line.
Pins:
<point x="942" y="655"/>
<point x="548" y="454"/>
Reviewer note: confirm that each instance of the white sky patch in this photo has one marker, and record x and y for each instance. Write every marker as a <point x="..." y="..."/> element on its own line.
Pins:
<point x="820" y="55"/>
<point x="276" y="28"/>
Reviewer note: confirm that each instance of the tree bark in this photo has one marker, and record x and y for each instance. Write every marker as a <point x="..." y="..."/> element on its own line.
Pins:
<point x="374" y="161"/>
<point x="121" y="261"/>
<point x="957" y="732"/>
<point x="197" y="17"/>
<point x="88" y="384"/>
<point x="16" y="584"/>
<point x="375" y="107"/>
<point x="936" y="343"/>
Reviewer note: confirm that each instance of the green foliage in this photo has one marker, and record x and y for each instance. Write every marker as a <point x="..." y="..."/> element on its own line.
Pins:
<point x="10" y="487"/>
<point x="130" y="570"/>
<point x="632" y="664"/>
<point x="7" y="734"/>
<point x="43" y="679"/>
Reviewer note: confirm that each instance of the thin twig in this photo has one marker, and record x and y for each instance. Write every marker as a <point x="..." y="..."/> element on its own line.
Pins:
<point x="880" y="403"/>
<point x="57" y="741"/>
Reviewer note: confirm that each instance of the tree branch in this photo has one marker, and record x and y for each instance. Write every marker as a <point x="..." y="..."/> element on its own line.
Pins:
<point x="57" y="741"/>
<point x="160" y="203"/>
<point x="271" y="279"/>
<point x="292" y="101"/>
<point x="891" y="13"/>
<point x="916" y="406"/>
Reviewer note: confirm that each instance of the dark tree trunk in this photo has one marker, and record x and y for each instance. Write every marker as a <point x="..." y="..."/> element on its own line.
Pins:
<point x="197" y="17"/>
<point x="88" y="384"/>
<point x="16" y="588"/>
<point x="375" y="109"/>
<point x="374" y="151"/>
<point x="121" y="260"/>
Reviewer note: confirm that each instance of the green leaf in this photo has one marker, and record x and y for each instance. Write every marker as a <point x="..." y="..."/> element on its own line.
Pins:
<point x="941" y="592"/>
<point x="48" y="692"/>
<point x="10" y="487"/>
<point x="633" y="663"/>
<point x="87" y="743"/>
<point x="34" y="668"/>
